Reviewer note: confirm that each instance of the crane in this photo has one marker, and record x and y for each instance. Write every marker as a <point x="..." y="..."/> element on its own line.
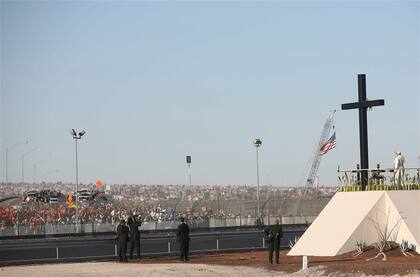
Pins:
<point x="329" y="123"/>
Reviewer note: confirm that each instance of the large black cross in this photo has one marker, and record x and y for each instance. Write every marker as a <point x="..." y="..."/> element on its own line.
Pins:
<point x="362" y="105"/>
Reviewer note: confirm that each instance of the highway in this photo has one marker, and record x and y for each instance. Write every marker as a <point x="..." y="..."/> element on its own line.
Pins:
<point x="10" y="201"/>
<point x="102" y="247"/>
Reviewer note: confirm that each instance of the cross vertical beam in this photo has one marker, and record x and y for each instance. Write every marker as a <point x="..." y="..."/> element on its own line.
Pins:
<point x="362" y="105"/>
<point x="363" y="134"/>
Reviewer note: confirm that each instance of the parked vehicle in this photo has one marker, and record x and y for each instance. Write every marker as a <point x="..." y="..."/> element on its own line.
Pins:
<point x="53" y="200"/>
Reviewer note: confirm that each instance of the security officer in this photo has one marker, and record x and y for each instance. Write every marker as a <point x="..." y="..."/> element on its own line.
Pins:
<point x="273" y="234"/>
<point x="133" y="225"/>
<point x="122" y="239"/>
<point x="183" y="238"/>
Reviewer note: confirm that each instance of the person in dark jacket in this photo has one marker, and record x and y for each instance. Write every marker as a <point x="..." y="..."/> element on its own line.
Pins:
<point x="133" y="225"/>
<point x="183" y="238"/>
<point x="122" y="239"/>
<point x="273" y="234"/>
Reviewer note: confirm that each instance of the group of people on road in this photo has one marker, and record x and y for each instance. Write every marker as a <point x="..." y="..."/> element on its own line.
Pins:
<point x="128" y="234"/>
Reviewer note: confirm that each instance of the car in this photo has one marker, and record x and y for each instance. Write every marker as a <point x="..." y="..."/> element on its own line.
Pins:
<point x="53" y="200"/>
<point x="84" y="196"/>
<point x="31" y="196"/>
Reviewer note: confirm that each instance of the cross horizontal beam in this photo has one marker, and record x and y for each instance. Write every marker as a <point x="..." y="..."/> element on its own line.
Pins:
<point x="364" y="104"/>
<point x="376" y="169"/>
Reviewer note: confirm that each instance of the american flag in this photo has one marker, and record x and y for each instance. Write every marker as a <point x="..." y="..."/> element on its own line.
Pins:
<point x="330" y="144"/>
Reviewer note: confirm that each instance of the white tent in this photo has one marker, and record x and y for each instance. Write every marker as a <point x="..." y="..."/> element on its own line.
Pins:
<point x="355" y="216"/>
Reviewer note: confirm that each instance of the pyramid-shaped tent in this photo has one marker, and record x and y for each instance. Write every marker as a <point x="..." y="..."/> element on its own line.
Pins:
<point x="354" y="216"/>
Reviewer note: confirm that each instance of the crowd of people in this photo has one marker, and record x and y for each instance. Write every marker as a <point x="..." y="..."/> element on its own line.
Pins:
<point x="38" y="213"/>
<point x="159" y="206"/>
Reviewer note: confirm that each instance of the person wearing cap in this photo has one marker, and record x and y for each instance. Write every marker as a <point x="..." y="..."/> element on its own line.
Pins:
<point x="399" y="169"/>
<point x="183" y="238"/>
<point x="122" y="239"/>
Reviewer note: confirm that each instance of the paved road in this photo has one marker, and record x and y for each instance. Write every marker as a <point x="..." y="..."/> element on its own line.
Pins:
<point x="10" y="201"/>
<point x="103" y="247"/>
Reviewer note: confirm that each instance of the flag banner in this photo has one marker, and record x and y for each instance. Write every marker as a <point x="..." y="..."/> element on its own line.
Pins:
<point x="99" y="183"/>
<point x="69" y="198"/>
<point x="330" y="144"/>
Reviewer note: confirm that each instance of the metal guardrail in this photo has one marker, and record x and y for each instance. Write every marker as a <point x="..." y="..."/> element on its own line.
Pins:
<point x="89" y="248"/>
<point x="149" y="232"/>
<point x="93" y="227"/>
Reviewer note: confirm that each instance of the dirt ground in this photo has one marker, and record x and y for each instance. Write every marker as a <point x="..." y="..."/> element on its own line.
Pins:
<point x="396" y="262"/>
<point x="245" y="264"/>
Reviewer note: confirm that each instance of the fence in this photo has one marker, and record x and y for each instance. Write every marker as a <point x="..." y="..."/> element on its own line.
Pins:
<point x="57" y="228"/>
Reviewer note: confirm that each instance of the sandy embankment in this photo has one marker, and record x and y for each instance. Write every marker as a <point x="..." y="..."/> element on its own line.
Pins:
<point x="104" y="269"/>
<point x="116" y="269"/>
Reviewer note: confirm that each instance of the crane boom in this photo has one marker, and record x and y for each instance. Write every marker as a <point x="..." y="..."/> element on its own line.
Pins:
<point x="317" y="157"/>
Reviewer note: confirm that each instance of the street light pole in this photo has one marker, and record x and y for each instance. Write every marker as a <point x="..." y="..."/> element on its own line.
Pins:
<point x="77" y="137"/>
<point x="23" y="168"/>
<point x="257" y="144"/>
<point x="189" y="173"/>
<point x="23" y="162"/>
<point x="258" y="185"/>
<point x="189" y="168"/>
<point x="77" y="189"/>
<point x="7" y="157"/>
<point x="34" y="170"/>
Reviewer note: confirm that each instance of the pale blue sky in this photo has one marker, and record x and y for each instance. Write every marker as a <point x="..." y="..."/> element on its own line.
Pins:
<point x="153" y="82"/>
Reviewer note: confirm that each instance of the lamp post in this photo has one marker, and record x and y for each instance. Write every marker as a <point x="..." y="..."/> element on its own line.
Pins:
<point x="23" y="162"/>
<point x="34" y="170"/>
<point x="267" y="202"/>
<point x="257" y="144"/>
<point x="76" y="137"/>
<point x="175" y="214"/>
<point x="189" y="168"/>
<point x="7" y="157"/>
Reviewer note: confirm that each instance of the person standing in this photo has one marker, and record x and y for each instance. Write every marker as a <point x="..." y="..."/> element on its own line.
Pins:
<point x="399" y="169"/>
<point x="183" y="238"/>
<point x="122" y="239"/>
<point x="133" y="226"/>
<point x="273" y="234"/>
